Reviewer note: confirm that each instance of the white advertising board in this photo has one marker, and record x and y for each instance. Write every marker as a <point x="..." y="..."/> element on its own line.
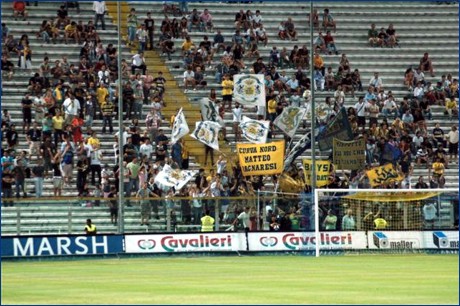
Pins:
<point x="413" y="240"/>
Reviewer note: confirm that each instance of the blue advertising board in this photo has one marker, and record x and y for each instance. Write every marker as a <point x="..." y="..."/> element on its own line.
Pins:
<point x="61" y="245"/>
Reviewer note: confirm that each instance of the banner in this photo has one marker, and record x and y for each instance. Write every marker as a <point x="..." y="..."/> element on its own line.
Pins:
<point x="287" y="183"/>
<point x="349" y="154"/>
<point x="261" y="159"/>
<point x="289" y="119"/>
<point x="383" y="175"/>
<point x="182" y="243"/>
<point x="180" y="127"/>
<point x="208" y="133"/>
<point x="255" y="131"/>
<point x="297" y="241"/>
<point x="303" y="144"/>
<point x="209" y="110"/>
<point x="176" y="178"/>
<point x="61" y="245"/>
<point x="249" y="89"/>
<point x="339" y="128"/>
<point x="323" y="168"/>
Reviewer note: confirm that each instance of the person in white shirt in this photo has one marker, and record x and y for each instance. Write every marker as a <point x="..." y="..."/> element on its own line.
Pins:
<point x="419" y="76"/>
<point x="257" y="19"/>
<point x="138" y="62"/>
<point x="146" y="149"/>
<point x="360" y="108"/>
<point x="419" y="91"/>
<point x="189" y="78"/>
<point x="261" y="35"/>
<point x="452" y="137"/>
<point x="389" y="106"/>
<point x="221" y="164"/>
<point x="71" y="108"/>
<point x="104" y="75"/>
<point x="237" y="113"/>
<point x="376" y="81"/>
<point x="417" y="140"/>
<point x="100" y="9"/>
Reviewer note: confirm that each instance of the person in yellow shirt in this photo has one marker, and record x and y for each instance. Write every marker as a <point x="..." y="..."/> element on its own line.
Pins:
<point x="271" y="109"/>
<point x="58" y="126"/>
<point x="90" y="228"/>
<point x="318" y="62"/>
<point x="451" y="107"/>
<point x="207" y="222"/>
<point x="438" y="167"/>
<point x="380" y="223"/>
<point x="187" y="45"/>
<point x="71" y="31"/>
<point x="102" y="93"/>
<point x="227" y="91"/>
<point x="93" y="141"/>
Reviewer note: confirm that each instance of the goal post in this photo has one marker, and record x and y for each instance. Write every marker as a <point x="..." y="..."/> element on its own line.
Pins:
<point x="385" y="219"/>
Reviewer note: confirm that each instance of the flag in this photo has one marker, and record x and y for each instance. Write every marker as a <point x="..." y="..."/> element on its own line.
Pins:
<point x="249" y="89"/>
<point x="290" y="119"/>
<point x="383" y="175"/>
<point x="349" y="154"/>
<point x="339" y="128"/>
<point x="323" y="169"/>
<point x="208" y="133"/>
<point x="176" y="178"/>
<point x="209" y="110"/>
<point x="255" y="131"/>
<point x="300" y="147"/>
<point x="180" y="127"/>
<point x="261" y="159"/>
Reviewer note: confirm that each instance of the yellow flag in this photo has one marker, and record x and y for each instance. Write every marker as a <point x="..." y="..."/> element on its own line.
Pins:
<point x="323" y="167"/>
<point x="261" y="159"/>
<point x="383" y="175"/>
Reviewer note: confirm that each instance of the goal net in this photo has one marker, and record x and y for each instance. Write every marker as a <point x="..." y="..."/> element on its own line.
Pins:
<point x="391" y="220"/>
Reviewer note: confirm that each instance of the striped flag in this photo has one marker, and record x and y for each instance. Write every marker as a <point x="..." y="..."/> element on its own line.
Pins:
<point x="208" y="133"/>
<point x="290" y="119"/>
<point x="180" y="127"/>
<point x="254" y="130"/>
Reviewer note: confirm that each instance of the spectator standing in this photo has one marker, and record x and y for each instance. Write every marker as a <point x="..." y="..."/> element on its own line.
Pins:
<point x="142" y="36"/>
<point x="348" y="221"/>
<point x="150" y="27"/>
<point x="38" y="172"/>
<point x="132" y="26"/>
<point x="7" y="187"/>
<point x="452" y="138"/>
<point x="100" y="9"/>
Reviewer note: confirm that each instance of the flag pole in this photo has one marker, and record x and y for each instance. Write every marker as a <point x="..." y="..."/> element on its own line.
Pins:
<point x="121" y="225"/>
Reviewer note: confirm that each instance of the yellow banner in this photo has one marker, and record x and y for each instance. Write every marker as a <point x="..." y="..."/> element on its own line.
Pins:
<point x="349" y="154"/>
<point x="261" y="159"/>
<point x="391" y="196"/>
<point x="383" y="175"/>
<point x="323" y="167"/>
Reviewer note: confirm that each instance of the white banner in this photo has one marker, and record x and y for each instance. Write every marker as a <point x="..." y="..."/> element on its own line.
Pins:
<point x="413" y="240"/>
<point x="176" y="178"/>
<point x="180" y="127"/>
<point x="249" y="89"/>
<point x="289" y="119"/>
<point x="254" y="130"/>
<point x="298" y="241"/>
<point x="209" y="110"/>
<point x="182" y="243"/>
<point x="208" y="133"/>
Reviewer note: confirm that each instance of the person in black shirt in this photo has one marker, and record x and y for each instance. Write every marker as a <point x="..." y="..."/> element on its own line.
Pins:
<point x="12" y="137"/>
<point x="128" y="100"/>
<point x="62" y="15"/>
<point x="162" y="140"/>
<point x="7" y="67"/>
<point x="149" y="26"/>
<point x="129" y="150"/>
<point x="7" y="187"/>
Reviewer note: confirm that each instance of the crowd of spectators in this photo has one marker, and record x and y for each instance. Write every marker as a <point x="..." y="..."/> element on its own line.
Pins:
<point x="64" y="99"/>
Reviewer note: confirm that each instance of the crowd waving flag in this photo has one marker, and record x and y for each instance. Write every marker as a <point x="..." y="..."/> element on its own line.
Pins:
<point x="255" y="131"/>
<point x="180" y="127"/>
<point x="208" y="133"/>
<point x="249" y="89"/>
<point x="289" y="119"/>
<point x="176" y="178"/>
<point x="339" y="128"/>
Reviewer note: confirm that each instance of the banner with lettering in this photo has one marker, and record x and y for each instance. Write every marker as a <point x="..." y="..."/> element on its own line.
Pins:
<point x="261" y="159"/>
<point x="289" y="119"/>
<point x="249" y="89"/>
<point x="349" y="154"/>
<point x="323" y="168"/>
<point x="383" y="175"/>
<point x="180" y="127"/>
<point x="339" y="128"/>
<point x="255" y="131"/>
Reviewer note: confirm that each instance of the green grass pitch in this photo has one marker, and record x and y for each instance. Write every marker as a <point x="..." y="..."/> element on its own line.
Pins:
<point x="360" y="279"/>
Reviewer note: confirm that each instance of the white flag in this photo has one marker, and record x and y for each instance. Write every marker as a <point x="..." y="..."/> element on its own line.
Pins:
<point x="176" y="178"/>
<point x="209" y="111"/>
<point x="208" y="133"/>
<point x="255" y="131"/>
<point x="289" y="119"/>
<point x="180" y="127"/>
<point x="249" y="89"/>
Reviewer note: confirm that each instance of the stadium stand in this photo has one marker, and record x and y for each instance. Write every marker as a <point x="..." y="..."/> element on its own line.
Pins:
<point x="439" y="39"/>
